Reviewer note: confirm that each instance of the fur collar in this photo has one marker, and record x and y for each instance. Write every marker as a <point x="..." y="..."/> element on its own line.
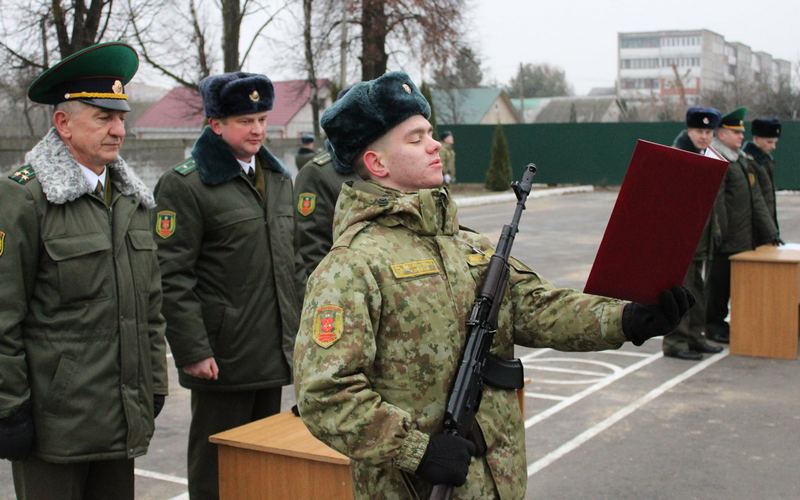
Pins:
<point x="62" y="180"/>
<point x="216" y="163"/>
<point x="684" y="142"/>
<point x="727" y="152"/>
<point x="757" y="153"/>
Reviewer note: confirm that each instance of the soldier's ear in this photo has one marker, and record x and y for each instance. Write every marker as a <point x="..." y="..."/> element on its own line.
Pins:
<point x="374" y="164"/>
<point x="61" y="121"/>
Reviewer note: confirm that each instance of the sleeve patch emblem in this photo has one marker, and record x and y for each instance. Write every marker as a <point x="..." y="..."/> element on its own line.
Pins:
<point x="415" y="268"/>
<point x="306" y="203"/>
<point x="328" y="325"/>
<point x="165" y="223"/>
<point x="2" y="242"/>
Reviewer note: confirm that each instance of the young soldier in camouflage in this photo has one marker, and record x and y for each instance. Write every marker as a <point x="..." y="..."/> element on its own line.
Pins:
<point x="383" y="324"/>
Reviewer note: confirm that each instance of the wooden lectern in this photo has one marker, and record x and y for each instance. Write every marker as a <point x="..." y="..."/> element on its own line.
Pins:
<point x="765" y="294"/>
<point x="278" y="458"/>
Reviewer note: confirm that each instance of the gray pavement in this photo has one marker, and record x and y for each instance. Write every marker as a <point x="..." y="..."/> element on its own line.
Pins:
<point x="626" y="424"/>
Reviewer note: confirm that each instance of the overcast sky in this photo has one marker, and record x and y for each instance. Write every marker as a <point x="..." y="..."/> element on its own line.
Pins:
<point x="580" y="36"/>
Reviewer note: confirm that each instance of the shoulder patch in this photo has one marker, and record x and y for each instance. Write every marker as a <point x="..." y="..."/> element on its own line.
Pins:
<point x="23" y="175"/>
<point x="322" y="159"/>
<point x="186" y="167"/>
<point x="328" y="325"/>
<point x="165" y="223"/>
<point x="306" y="203"/>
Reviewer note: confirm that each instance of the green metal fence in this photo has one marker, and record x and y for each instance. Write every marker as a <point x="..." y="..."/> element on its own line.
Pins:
<point x="589" y="153"/>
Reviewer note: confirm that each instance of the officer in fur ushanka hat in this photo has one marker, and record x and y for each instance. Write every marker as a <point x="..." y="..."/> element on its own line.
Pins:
<point x="766" y="133"/>
<point x="225" y="245"/>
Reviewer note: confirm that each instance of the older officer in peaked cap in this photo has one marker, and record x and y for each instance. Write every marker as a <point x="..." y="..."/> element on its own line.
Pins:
<point x="225" y="229"/>
<point x="384" y="317"/>
<point x="744" y="219"/>
<point x="766" y="132"/>
<point x="688" y="341"/>
<point x="83" y="371"/>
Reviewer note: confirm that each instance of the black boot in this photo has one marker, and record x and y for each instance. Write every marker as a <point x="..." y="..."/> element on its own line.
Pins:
<point x="702" y="345"/>
<point x="687" y="354"/>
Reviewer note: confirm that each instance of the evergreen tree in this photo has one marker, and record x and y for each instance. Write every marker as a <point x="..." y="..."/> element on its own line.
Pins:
<point x="498" y="178"/>
<point x="425" y="90"/>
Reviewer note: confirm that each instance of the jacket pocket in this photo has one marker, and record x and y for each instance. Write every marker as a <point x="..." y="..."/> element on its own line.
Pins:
<point x="83" y="263"/>
<point x="59" y="386"/>
<point x="142" y="258"/>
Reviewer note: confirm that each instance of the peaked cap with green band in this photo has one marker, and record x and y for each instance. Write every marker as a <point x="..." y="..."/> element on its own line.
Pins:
<point x="734" y="120"/>
<point x="94" y="75"/>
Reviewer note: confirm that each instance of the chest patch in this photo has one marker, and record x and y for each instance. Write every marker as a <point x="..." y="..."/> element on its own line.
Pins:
<point x="2" y="242"/>
<point x="415" y="268"/>
<point x="306" y="203"/>
<point x="165" y="223"/>
<point x="328" y="325"/>
<point x="752" y="178"/>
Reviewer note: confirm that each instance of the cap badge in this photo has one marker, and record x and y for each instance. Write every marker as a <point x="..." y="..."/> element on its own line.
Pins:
<point x="706" y="121"/>
<point x="254" y="96"/>
<point x="117" y="87"/>
<point x="407" y="88"/>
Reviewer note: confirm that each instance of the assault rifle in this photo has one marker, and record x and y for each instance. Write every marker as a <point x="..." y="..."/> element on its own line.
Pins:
<point x="477" y="365"/>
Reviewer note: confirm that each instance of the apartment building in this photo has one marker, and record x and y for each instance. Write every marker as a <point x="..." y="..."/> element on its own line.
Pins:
<point x="666" y="64"/>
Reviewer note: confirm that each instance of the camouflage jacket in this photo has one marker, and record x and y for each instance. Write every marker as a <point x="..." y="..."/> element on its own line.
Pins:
<point x="764" y="165"/>
<point x="316" y="189"/>
<point x="383" y="328"/>
<point x="448" y="156"/>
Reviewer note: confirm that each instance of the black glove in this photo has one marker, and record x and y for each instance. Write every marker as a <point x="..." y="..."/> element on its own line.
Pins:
<point x="16" y="434"/>
<point x="446" y="460"/>
<point x="641" y="322"/>
<point x="158" y="404"/>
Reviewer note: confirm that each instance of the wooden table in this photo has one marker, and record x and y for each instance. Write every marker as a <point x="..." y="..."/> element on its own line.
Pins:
<point x="765" y="294"/>
<point x="278" y="458"/>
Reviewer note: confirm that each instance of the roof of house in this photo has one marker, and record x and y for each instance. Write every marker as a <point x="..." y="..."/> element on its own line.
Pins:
<point x="470" y="105"/>
<point x="181" y="107"/>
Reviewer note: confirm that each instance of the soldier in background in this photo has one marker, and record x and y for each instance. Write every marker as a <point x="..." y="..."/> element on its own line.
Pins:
<point x="688" y="341"/>
<point x="83" y="367"/>
<point x="225" y="233"/>
<point x="448" y="156"/>
<point x="766" y="132"/>
<point x="384" y="320"/>
<point x="306" y="151"/>
<point x="744" y="220"/>
<point x="316" y="189"/>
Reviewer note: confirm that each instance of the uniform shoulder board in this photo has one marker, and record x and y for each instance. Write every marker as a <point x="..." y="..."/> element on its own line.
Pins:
<point x="346" y="238"/>
<point x="322" y="158"/>
<point x="186" y="167"/>
<point x="23" y="175"/>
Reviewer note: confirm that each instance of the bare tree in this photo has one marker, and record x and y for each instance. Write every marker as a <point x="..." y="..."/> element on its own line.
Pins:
<point x="176" y="38"/>
<point x="34" y="33"/>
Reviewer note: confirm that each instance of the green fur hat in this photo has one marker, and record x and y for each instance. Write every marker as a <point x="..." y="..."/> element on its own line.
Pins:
<point x="367" y="111"/>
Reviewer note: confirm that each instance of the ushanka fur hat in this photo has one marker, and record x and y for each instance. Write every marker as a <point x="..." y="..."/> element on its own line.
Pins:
<point x="367" y="111"/>
<point x="238" y="93"/>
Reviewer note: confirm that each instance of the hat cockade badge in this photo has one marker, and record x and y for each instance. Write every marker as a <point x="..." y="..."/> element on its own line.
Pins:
<point x="254" y="96"/>
<point x="117" y="87"/>
<point x="407" y="88"/>
<point x="706" y="121"/>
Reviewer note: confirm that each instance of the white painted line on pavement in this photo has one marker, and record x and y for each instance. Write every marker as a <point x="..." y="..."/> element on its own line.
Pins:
<point x="160" y="476"/>
<point x="626" y="353"/>
<point x="589" y="390"/>
<point x="566" y="370"/>
<point x="591" y="432"/>
<point x="541" y="395"/>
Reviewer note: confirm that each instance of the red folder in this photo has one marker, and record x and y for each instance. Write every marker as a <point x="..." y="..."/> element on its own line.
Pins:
<point x="662" y="207"/>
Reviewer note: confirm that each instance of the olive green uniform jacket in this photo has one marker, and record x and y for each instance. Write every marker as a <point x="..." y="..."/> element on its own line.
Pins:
<point x="764" y="165"/>
<point x="227" y="265"/>
<point x="316" y="189"/>
<point x="81" y="334"/>
<point x="383" y="328"/>
<point x="744" y="219"/>
<point x="303" y="156"/>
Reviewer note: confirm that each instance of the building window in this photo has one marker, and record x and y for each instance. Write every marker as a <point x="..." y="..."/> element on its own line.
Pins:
<point x="639" y="42"/>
